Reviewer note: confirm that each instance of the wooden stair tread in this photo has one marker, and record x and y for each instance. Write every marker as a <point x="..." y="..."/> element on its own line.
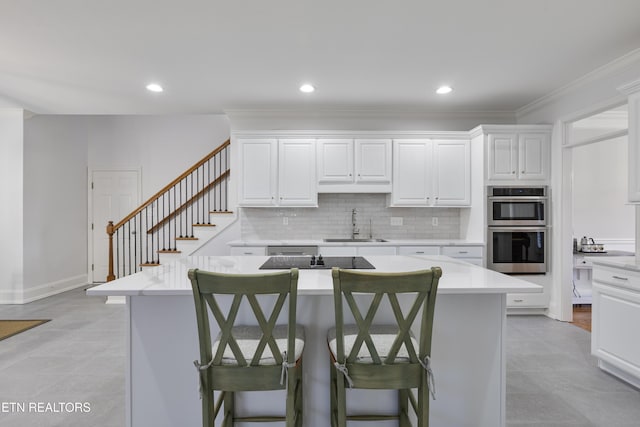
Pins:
<point x="151" y="264"/>
<point x="204" y="225"/>
<point x="187" y="238"/>
<point x="169" y="251"/>
<point x="220" y="212"/>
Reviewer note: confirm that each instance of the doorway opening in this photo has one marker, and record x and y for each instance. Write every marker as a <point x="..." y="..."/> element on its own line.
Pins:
<point x="596" y="217"/>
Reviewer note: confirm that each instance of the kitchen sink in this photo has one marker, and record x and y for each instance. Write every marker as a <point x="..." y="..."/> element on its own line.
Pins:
<point x="354" y="240"/>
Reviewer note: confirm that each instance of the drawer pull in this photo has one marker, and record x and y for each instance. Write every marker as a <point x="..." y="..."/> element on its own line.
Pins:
<point x="620" y="278"/>
<point x="463" y="252"/>
<point x="517" y="300"/>
<point x="419" y="252"/>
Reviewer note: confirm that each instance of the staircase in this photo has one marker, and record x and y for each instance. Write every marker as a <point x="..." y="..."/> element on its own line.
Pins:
<point x="176" y="221"/>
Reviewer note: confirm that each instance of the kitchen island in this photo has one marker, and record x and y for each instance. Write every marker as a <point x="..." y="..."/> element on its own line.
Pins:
<point x="468" y="354"/>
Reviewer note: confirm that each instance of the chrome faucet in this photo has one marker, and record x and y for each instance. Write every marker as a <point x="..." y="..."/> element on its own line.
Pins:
<point x="354" y="230"/>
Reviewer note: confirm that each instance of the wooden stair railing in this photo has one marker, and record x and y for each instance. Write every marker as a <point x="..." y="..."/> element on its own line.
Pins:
<point x="169" y="214"/>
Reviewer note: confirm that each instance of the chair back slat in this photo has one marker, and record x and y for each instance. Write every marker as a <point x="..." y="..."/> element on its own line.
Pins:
<point x="209" y="286"/>
<point x="423" y="284"/>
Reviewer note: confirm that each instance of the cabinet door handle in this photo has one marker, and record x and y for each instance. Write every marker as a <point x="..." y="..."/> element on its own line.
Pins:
<point x="620" y="278"/>
<point x="517" y="300"/>
<point x="513" y="172"/>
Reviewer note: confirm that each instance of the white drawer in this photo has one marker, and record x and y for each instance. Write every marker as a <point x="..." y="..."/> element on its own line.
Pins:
<point x="462" y="251"/>
<point x="418" y="250"/>
<point x="527" y="300"/>
<point x="248" y="250"/>
<point x="617" y="277"/>
<point x="581" y="262"/>
<point x="376" y="250"/>
<point x="338" y="250"/>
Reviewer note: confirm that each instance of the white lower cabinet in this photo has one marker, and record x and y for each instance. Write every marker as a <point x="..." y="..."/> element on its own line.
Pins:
<point x="338" y="250"/>
<point x="616" y="314"/>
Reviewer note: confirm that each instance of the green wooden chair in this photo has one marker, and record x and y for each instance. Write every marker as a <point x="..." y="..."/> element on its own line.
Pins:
<point x="374" y="355"/>
<point x="248" y="358"/>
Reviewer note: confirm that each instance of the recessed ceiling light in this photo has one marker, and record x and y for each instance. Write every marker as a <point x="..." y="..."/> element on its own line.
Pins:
<point x="443" y="90"/>
<point x="154" y="87"/>
<point x="307" y="88"/>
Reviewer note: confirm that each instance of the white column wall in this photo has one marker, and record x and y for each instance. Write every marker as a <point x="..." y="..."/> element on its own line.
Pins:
<point x="55" y="205"/>
<point x="11" y="202"/>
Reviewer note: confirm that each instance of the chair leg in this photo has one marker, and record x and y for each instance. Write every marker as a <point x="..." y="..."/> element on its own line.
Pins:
<point x="299" y="398"/>
<point x="332" y="395"/>
<point x="341" y="400"/>
<point x="229" y="408"/>
<point x="403" y="408"/>
<point x="423" y="402"/>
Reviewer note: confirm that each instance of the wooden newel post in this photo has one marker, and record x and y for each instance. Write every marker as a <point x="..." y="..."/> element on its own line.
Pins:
<point x="110" y="231"/>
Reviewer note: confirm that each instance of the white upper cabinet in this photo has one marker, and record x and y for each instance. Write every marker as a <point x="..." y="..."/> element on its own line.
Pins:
<point x="452" y="172"/>
<point x="431" y="172"/>
<point x="633" y="91"/>
<point x="258" y="177"/>
<point x="335" y="161"/>
<point x="277" y="172"/>
<point x="297" y="173"/>
<point x="412" y="185"/>
<point x="354" y="165"/>
<point x="373" y="160"/>
<point x="518" y="156"/>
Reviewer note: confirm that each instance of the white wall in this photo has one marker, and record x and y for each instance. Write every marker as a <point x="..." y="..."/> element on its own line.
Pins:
<point x="162" y="146"/>
<point x="600" y="208"/>
<point x="11" y="205"/>
<point x="55" y="205"/>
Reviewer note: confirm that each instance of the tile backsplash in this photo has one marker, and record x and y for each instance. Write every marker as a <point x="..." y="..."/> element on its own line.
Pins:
<point x="332" y="219"/>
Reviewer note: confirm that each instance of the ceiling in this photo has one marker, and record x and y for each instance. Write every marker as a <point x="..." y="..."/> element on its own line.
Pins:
<point x="95" y="57"/>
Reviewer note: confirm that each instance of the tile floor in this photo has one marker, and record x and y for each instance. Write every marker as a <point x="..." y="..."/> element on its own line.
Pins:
<point x="79" y="357"/>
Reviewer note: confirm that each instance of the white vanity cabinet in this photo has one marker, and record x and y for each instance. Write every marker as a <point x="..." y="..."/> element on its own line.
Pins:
<point x="615" y="316"/>
<point x="277" y="172"/>
<point x="431" y="172"/>
<point x="354" y="165"/>
<point x="518" y="156"/>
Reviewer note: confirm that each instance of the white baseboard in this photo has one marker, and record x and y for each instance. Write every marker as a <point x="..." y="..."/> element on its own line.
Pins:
<point x="21" y="296"/>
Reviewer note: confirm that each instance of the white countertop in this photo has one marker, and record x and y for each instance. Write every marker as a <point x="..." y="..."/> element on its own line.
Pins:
<point x="171" y="279"/>
<point x="389" y="242"/>
<point x="625" y="262"/>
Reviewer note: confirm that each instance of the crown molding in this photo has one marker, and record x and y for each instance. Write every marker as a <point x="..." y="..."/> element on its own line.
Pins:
<point x="484" y="129"/>
<point x="350" y="134"/>
<point x="605" y="70"/>
<point x="368" y="113"/>
<point x="630" y="88"/>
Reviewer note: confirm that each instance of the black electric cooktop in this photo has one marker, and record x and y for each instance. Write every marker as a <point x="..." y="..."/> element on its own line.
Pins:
<point x="313" y="262"/>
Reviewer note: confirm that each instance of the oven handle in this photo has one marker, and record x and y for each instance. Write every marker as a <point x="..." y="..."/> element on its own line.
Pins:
<point x="511" y="228"/>
<point x="518" y="199"/>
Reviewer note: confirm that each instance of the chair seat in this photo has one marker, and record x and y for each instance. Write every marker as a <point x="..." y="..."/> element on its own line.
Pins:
<point x="248" y="338"/>
<point x="382" y="336"/>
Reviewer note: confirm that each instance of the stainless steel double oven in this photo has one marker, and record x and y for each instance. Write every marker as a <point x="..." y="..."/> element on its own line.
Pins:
<point x="518" y="237"/>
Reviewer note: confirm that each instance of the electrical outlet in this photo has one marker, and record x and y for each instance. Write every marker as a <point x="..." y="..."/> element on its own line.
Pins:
<point x="285" y="220"/>
<point x="434" y="221"/>
<point x="396" y="220"/>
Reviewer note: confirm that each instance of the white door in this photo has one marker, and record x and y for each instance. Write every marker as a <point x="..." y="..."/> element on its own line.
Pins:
<point x="532" y="153"/>
<point x="503" y="156"/>
<point x="335" y="161"/>
<point x="297" y="184"/>
<point x="114" y="194"/>
<point x="452" y="172"/>
<point x="258" y="179"/>
<point x="412" y="184"/>
<point x="373" y="160"/>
